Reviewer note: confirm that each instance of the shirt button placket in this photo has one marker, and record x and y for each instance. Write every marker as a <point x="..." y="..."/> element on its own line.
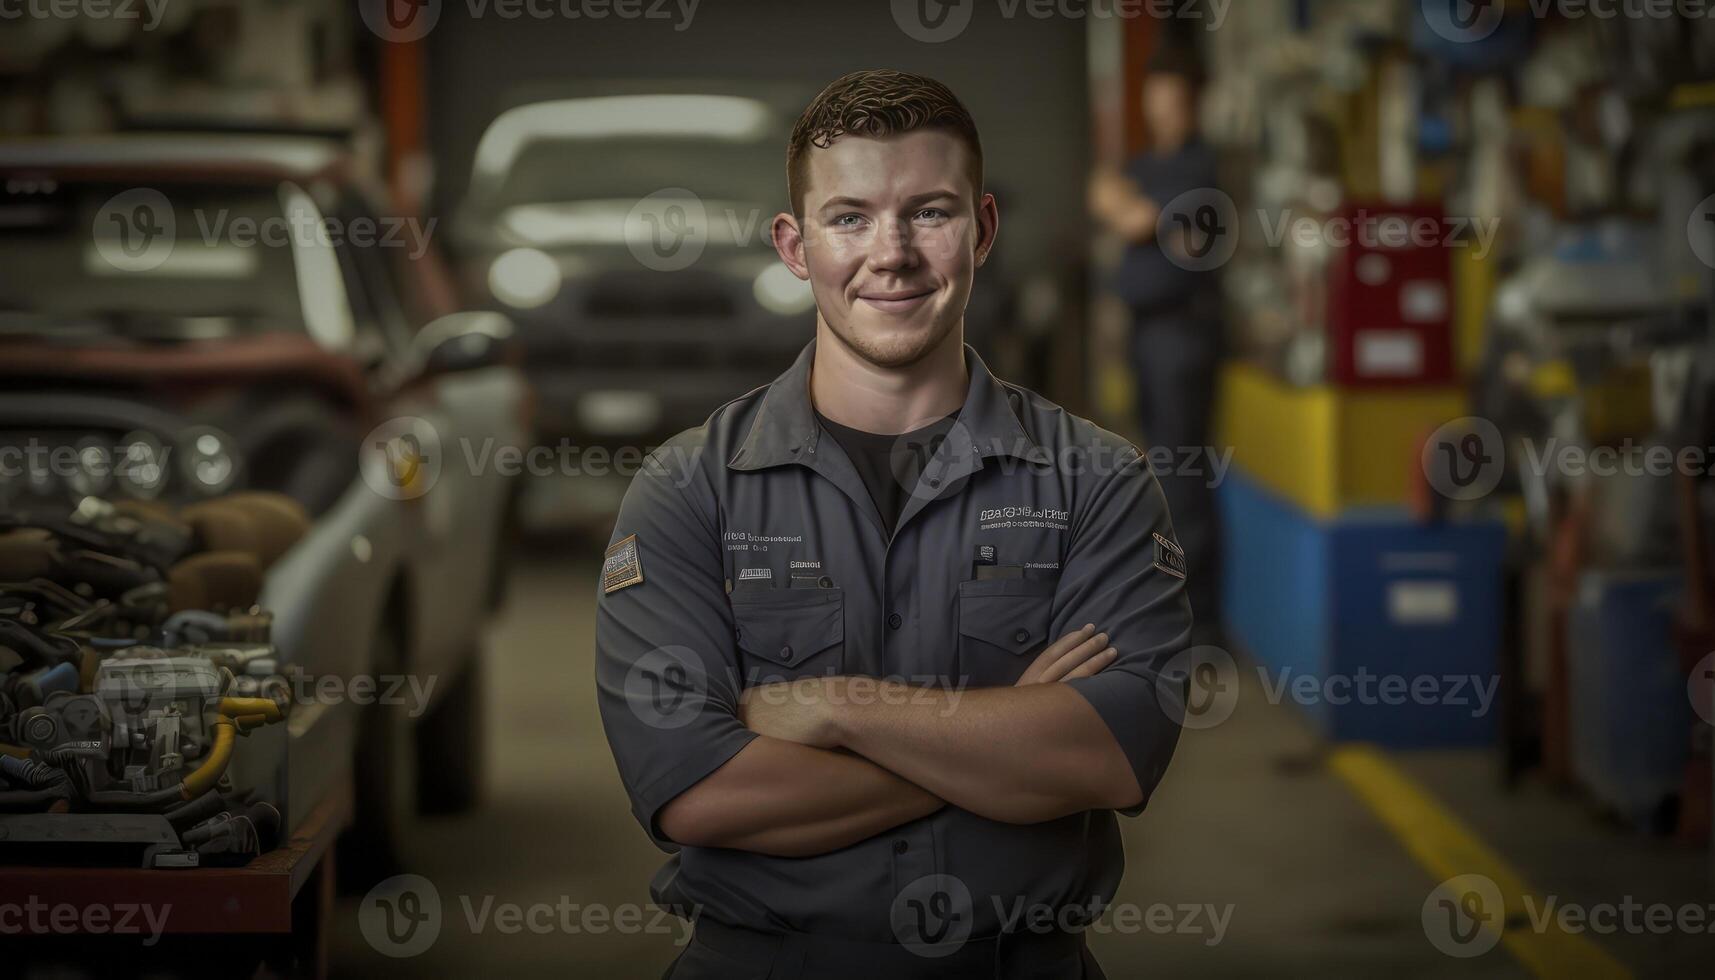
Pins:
<point x="911" y="848"/>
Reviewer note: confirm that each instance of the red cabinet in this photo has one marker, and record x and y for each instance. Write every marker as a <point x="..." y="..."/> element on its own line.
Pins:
<point x="1390" y="295"/>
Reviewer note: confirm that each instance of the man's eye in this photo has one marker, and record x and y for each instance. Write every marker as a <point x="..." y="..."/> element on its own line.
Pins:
<point x="848" y="221"/>
<point x="931" y="214"/>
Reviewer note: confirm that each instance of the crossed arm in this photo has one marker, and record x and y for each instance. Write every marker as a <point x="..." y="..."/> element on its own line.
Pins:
<point x="840" y="759"/>
<point x="1116" y="202"/>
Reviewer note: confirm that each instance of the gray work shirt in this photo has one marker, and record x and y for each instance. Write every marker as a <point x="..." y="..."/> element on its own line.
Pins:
<point x="748" y="551"/>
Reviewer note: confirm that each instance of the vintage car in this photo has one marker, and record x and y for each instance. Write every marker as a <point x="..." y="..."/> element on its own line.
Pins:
<point x="184" y="316"/>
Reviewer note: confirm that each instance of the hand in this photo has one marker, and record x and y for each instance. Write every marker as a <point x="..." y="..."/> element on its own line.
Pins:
<point x="795" y="711"/>
<point x="1106" y="191"/>
<point x="1080" y="653"/>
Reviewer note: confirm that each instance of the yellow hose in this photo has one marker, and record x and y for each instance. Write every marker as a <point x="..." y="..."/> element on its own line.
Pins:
<point x="235" y="714"/>
<point x="209" y="773"/>
<point x="238" y="707"/>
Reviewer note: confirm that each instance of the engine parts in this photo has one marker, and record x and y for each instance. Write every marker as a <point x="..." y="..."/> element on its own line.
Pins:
<point x="132" y="662"/>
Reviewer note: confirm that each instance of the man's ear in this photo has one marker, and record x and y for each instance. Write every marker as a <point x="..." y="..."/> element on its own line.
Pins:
<point x="789" y="244"/>
<point x="988" y="226"/>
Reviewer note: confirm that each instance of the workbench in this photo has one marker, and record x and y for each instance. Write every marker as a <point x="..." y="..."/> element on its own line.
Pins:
<point x="271" y="913"/>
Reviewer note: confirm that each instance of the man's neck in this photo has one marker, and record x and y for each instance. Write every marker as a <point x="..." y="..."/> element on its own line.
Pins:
<point x="855" y="393"/>
<point x="1171" y="144"/>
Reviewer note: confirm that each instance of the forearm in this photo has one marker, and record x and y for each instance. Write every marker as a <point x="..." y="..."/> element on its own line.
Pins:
<point x="1014" y="754"/>
<point x="1126" y="213"/>
<point x="1135" y="220"/>
<point x="789" y="800"/>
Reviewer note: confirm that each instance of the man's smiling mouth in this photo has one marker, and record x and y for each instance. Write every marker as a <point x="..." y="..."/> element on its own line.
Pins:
<point x="897" y="301"/>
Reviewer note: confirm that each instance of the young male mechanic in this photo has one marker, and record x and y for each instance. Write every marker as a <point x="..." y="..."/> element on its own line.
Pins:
<point x="824" y="629"/>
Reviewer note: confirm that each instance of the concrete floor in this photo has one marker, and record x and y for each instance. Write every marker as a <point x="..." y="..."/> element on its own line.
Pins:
<point x="1247" y="818"/>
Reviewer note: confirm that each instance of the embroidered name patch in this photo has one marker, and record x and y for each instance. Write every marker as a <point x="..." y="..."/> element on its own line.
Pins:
<point x="622" y="566"/>
<point x="1169" y="557"/>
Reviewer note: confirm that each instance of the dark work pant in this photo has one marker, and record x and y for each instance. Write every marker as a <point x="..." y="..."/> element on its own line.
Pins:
<point x="1176" y="355"/>
<point x="702" y="960"/>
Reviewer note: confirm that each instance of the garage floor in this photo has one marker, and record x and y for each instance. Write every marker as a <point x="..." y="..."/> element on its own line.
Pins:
<point x="1249" y="820"/>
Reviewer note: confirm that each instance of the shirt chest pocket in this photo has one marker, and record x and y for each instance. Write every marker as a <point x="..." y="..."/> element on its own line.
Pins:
<point x="1003" y="625"/>
<point x="784" y="634"/>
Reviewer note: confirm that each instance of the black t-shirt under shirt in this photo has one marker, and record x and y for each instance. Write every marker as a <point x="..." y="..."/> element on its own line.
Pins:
<point x="889" y="464"/>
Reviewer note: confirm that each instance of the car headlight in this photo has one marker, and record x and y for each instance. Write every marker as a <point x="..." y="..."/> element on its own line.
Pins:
<point x="780" y="291"/>
<point x="94" y="473"/>
<point x="142" y="466"/>
<point x="524" y="278"/>
<point x="207" y="459"/>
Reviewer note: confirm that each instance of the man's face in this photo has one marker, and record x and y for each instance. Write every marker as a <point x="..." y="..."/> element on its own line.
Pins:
<point x="1168" y="108"/>
<point x="891" y="235"/>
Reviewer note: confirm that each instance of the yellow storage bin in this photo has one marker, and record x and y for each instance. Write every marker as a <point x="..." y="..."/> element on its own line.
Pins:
<point x="1327" y="449"/>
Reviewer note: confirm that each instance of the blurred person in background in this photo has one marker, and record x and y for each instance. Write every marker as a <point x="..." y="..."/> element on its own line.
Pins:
<point x="1176" y="336"/>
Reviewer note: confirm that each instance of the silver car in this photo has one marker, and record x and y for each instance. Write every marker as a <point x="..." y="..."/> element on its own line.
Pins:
<point x="234" y="312"/>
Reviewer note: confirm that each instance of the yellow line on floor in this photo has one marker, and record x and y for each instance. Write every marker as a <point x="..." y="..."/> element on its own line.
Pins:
<point x="1448" y="849"/>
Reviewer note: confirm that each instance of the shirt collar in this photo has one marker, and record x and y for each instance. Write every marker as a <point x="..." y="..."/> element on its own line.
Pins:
<point x="785" y="428"/>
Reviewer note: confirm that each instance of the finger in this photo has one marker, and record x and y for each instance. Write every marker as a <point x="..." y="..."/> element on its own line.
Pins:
<point x="1054" y="651"/>
<point x="1094" y="665"/>
<point x="1072" y="658"/>
<point x="1067" y="643"/>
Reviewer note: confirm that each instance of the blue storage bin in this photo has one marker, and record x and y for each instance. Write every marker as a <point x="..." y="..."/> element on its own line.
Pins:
<point x="1331" y="608"/>
<point x="1631" y="719"/>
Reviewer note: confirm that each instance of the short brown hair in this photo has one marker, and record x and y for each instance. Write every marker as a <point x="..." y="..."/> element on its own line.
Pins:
<point x="878" y="102"/>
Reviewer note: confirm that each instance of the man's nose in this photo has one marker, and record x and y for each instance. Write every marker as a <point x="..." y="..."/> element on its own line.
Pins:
<point x="892" y="247"/>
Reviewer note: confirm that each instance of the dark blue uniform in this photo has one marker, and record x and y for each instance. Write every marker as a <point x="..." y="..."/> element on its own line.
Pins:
<point x="749" y="550"/>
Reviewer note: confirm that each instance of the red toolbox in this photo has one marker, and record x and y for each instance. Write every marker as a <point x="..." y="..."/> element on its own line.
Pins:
<point x="1390" y="295"/>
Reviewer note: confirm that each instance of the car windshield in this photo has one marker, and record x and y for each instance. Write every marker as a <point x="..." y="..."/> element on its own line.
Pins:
<point x="630" y="169"/>
<point x="725" y="148"/>
<point x="161" y="262"/>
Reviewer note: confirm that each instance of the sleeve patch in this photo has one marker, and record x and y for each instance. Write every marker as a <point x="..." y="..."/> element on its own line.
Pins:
<point x="622" y="566"/>
<point x="1169" y="557"/>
